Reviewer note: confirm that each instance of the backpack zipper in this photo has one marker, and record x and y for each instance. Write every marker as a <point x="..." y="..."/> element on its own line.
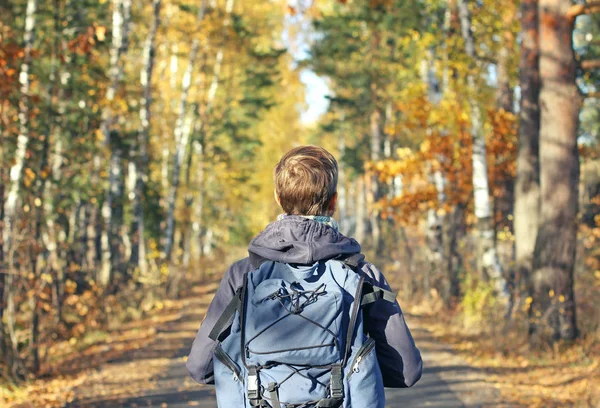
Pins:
<point x="229" y="363"/>
<point x="362" y="353"/>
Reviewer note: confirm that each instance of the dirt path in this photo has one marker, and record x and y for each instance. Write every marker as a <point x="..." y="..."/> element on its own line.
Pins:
<point x="155" y="376"/>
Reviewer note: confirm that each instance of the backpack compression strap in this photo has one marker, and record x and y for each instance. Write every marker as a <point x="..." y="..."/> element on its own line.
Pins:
<point x="372" y="294"/>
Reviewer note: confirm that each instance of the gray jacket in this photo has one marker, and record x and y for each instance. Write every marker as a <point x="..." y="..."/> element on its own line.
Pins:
<point x="303" y="241"/>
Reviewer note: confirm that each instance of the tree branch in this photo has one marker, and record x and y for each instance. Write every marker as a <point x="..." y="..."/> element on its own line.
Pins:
<point x="590" y="64"/>
<point x="581" y="9"/>
<point x="594" y="95"/>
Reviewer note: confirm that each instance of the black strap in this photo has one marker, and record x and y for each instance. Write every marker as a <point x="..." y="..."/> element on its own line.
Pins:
<point x="353" y="261"/>
<point x="226" y="318"/>
<point x="330" y="403"/>
<point x="372" y="294"/>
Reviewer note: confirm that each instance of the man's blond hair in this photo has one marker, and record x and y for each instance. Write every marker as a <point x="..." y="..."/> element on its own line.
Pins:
<point x="306" y="180"/>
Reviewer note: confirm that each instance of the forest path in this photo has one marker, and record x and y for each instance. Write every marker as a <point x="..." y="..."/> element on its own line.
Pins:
<point x="155" y="376"/>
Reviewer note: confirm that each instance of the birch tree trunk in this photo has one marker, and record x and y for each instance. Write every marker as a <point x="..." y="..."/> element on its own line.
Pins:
<point x="375" y="189"/>
<point x="360" y="210"/>
<point x="487" y="256"/>
<point x="15" y="175"/>
<point x="16" y="171"/>
<point x="198" y="223"/>
<point x="138" y="250"/>
<point x="120" y="43"/>
<point x="553" y="307"/>
<point x="181" y="138"/>
<point x="44" y="210"/>
<point x="527" y="184"/>
<point x="200" y="147"/>
<point x="342" y="207"/>
<point x="3" y="268"/>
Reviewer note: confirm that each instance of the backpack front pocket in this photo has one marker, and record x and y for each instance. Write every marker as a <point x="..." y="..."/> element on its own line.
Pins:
<point x="293" y="323"/>
<point x="228" y="377"/>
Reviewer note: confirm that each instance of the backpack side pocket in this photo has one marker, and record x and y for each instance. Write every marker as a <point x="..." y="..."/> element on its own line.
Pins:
<point x="228" y="376"/>
<point x="364" y="383"/>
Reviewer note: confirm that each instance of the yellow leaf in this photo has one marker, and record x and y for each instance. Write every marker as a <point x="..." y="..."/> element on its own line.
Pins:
<point x="101" y="31"/>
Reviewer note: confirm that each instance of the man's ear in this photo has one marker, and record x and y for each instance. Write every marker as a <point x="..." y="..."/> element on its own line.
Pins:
<point x="332" y="204"/>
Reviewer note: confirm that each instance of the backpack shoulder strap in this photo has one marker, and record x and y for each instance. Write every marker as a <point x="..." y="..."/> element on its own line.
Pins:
<point x="370" y="293"/>
<point x="226" y="318"/>
<point x="353" y="261"/>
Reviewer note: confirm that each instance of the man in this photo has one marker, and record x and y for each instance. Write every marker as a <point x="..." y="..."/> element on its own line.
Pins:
<point x="306" y="234"/>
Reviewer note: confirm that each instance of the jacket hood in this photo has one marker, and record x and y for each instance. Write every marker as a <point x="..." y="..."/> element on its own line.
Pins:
<point x="300" y="240"/>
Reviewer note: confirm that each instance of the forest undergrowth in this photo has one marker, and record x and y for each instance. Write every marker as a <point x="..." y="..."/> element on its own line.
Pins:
<point x="553" y="375"/>
<point x="128" y="323"/>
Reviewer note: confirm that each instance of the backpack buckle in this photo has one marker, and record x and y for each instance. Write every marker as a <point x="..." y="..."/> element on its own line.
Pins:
<point x="253" y="384"/>
<point x="336" y="384"/>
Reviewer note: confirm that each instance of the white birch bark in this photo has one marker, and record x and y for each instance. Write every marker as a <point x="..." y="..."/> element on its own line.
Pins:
<point x="435" y="222"/>
<point x="198" y="223"/>
<point x="181" y="138"/>
<point x="199" y="148"/>
<point x="138" y="250"/>
<point x="16" y="170"/>
<point x="375" y="190"/>
<point x="360" y="210"/>
<point x="15" y="175"/>
<point x="185" y="124"/>
<point x="487" y="254"/>
<point x="120" y="35"/>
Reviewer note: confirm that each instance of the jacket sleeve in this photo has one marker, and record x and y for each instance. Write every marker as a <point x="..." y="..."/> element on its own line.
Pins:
<point x="200" y="359"/>
<point x="399" y="358"/>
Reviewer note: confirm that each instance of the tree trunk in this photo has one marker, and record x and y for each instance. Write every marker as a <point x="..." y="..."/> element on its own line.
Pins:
<point x="504" y="98"/>
<point x="198" y="224"/>
<point x="201" y="117"/>
<point x="342" y="206"/>
<point x="451" y="233"/>
<point x="553" y="307"/>
<point x="181" y="139"/>
<point x="360" y="211"/>
<point x="16" y="170"/>
<point x="138" y="251"/>
<point x="184" y="132"/>
<point x="3" y="269"/>
<point x="527" y="184"/>
<point x="375" y="188"/>
<point x="120" y="43"/>
<point x="487" y="256"/>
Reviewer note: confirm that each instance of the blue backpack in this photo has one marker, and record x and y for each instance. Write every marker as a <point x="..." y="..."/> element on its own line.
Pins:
<point x="293" y="337"/>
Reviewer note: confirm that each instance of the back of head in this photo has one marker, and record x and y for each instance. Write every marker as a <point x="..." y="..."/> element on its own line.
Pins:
<point x="306" y="180"/>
